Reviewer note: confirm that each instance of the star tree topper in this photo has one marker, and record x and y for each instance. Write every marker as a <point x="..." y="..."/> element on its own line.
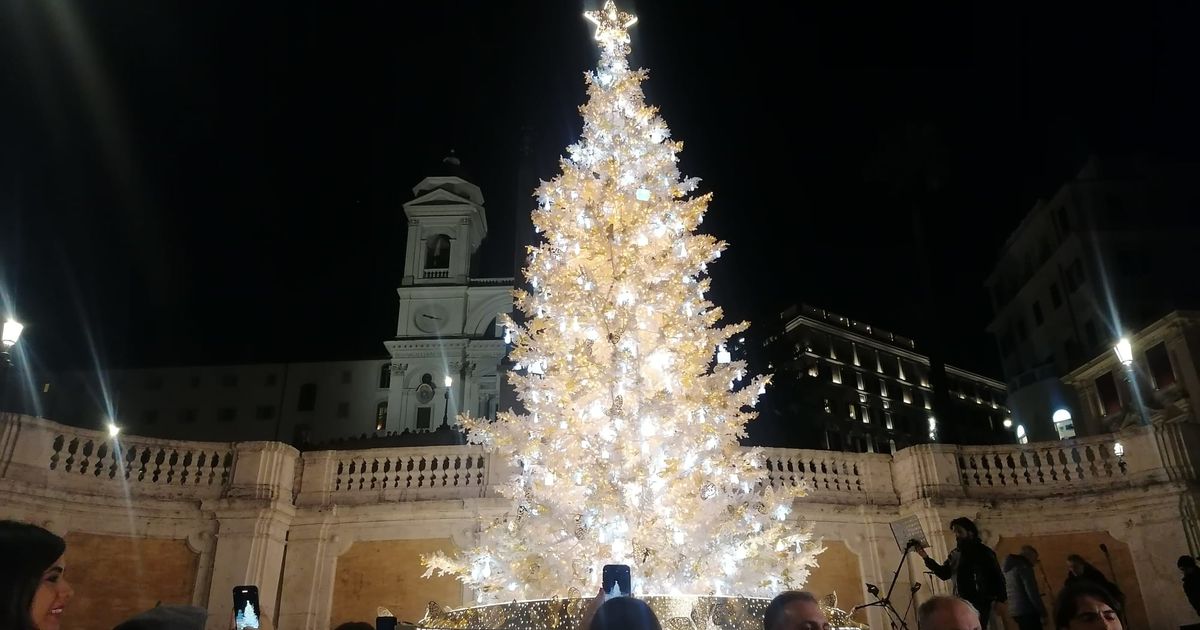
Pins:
<point x="611" y="25"/>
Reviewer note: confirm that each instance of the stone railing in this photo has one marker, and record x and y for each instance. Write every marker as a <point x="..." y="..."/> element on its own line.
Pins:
<point x="436" y="273"/>
<point x="490" y="282"/>
<point x="41" y="452"/>
<point x="1042" y="467"/>
<point x="832" y="477"/>
<point x="395" y="474"/>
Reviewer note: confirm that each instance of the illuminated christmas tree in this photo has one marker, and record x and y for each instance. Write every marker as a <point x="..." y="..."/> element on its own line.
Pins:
<point x="628" y="451"/>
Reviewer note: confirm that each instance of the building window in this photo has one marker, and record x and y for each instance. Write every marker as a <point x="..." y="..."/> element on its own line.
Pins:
<point x="892" y="446"/>
<point x="887" y="421"/>
<point x="900" y="369"/>
<point x="835" y="374"/>
<point x="264" y="412"/>
<point x="385" y="376"/>
<point x="437" y="252"/>
<point x="381" y="415"/>
<point x="423" y="416"/>
<point x="1089" y="332"/>
<point x="187" y="416"/>
<point x="828" y="406"/>
<point x="906" y="395"/>
<point x="870" y="444"/>
<point x="150" y="416"/>
<point x="1107" y="398"/>
<point x="229" y="380"/>
<point x="858" y="377"/>
<point x="1063" y="424"/>
<point x="271" y="379"/>
<point x="883" y="387"/>
<point x="1022" y="437"/>
<point x="886" y="404"/>
<point x="1037" y="313"/>
<point x="1055" y="295"/>
<point x="308" y="397"/>
<point x="854" y="353"/>
<point x="866" y="414"/>
<point x="1075" y="275"/>
<point x="345" y="377"/>
<point x="853" y="411"/>
<point x="879" y="362"/>
<point x="928" y="404"/>
<point x="226" y="414"/>
<point x="1158" y="362"/>
<point x="343" y="409"/>
<point x="813" y="370"/>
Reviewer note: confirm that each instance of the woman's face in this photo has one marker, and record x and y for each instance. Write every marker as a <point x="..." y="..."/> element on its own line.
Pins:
<point x="51" y="598"/>
<point x="1094" y="614"/>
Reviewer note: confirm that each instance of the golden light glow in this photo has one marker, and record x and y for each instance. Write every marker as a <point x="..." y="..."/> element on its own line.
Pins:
<point x="628" y="452"/>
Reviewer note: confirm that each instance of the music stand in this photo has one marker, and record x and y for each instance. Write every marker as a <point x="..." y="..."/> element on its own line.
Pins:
<point x="906" y="531"/>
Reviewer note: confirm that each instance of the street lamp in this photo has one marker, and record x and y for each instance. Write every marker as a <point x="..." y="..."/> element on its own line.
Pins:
<point x="445" y="410"/>
<point x="9" y="338"/>
<point x="1124" y="351"/>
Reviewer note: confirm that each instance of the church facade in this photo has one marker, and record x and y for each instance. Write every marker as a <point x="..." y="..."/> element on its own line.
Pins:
<point x="444" y="359"/>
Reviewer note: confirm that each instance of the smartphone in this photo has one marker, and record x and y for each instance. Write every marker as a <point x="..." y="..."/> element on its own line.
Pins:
<point x="617" y="581"/>
<point x="245" y="607"/>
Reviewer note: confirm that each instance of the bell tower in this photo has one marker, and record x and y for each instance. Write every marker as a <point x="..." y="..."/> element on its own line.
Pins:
<point x="446" y="224"/>
<point x="447" y="350"/>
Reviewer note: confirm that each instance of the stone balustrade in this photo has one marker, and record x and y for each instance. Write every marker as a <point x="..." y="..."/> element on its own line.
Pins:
<point x="40" y="451"/>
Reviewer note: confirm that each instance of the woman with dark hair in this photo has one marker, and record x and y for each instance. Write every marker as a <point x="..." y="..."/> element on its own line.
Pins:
<point x="624" y="613"/>
<point x="33" y="591"/>
<point x="1086" y="606"/>
<point x="972" y="567"/>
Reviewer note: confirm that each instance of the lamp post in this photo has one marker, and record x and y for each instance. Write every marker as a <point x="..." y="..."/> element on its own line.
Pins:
<point x="9" y="336"/>
<point x="1124" y="351"/>
<point x="446" y="410"/>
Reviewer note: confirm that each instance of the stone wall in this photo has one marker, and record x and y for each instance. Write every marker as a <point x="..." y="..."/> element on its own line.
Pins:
<point x="351" y="524"/>
<point x="116" y="577"/>
<point x="363" y="582"/>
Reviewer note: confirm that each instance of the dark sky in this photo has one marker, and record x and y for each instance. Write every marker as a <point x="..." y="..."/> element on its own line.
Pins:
<point x="189" y="182"/>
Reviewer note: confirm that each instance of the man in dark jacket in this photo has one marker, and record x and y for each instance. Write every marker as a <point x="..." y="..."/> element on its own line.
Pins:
<point x="973" y="568"/>
<point x="1024" y="600"/>
<point x="1191" y="580"/>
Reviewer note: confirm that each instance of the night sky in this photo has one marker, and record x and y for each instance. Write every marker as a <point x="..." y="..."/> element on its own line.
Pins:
<point x="213" y="182"/>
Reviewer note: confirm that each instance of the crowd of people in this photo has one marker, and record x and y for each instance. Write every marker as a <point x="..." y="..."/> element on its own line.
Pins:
<point x="35" y="592"/>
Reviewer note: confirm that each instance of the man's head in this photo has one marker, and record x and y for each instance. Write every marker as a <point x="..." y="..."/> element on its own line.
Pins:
<point x="944" y="612"/>
<point x="964" y="528"/>
<point x="1030" y="553"/>
<point x="794" y="610"/>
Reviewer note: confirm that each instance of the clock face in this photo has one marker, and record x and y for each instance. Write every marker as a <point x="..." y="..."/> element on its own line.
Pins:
<point x="424" y="393"/>
<point x="430" y="318"/>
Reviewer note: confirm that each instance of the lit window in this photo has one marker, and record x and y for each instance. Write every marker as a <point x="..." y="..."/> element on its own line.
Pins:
<point x="924" y="381"/>
<point x="928" y="404"/>
<point x="866" y="415"/>
<point x="853" y="411"/>
<point x="835" y="374"/>
<point x="862" y="398"/>
<point x="828" y="406"/>
<point x="381" y="415"/>
<point x="882" y="387"/>
<point x="870" y="444"/>
<point x="1022" y="438"/>
<point x="854" y="350"/>
<point x="812" y="370"/>
<point x="900" y="369"/>
<point x="907" y="396"/>
<point x="859" y="378"/>
<point x="887" y="422"/>
<point x="878" y="363"/>
<point x="887" y="404"/>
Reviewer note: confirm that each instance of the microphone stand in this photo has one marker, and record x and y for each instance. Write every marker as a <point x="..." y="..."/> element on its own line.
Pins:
<point x="885" y="602"/>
